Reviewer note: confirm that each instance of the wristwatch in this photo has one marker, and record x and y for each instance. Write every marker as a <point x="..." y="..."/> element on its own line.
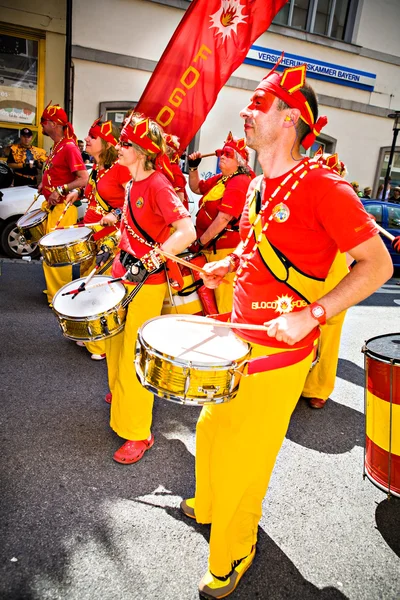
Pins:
<point x="117" y="212"/>
<point x="318" y="312"/>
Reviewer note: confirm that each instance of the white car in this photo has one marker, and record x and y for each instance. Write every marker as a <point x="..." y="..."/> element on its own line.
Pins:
<point x="14" y="201"/>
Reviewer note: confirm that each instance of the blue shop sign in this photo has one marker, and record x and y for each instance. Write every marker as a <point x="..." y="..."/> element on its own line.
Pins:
<point x="317" y="69"/>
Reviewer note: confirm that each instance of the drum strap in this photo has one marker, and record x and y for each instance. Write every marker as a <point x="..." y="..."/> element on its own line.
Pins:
<point x="104" y="205"/>
<point x="278" y="361"/>
<point x="136" y="224"/>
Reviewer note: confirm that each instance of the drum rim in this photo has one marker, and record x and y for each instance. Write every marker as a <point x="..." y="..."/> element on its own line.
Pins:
<point x="381" y="357"/>
<point x="93" y="316"/>
<point x="35" y="224"/>
<point x="86" y="238"/>
<point x="234" y="363"/>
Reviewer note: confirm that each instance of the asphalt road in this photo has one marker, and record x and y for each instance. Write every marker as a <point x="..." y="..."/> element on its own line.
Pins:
<point x="77" y="526"/>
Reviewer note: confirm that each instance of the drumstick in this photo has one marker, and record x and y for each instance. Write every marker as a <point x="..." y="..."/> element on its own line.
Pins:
<point x="83" y="284"/>
<point x="224" y="324"/>
<point x="185" y="263"/>
<point x="207" y="155"/>
<point x="77" y="225"/>
<point x="67" y="205"/>
<point x="385" y="233"/>
<point x="96" y="285"/>
<point x="35" y="197"/>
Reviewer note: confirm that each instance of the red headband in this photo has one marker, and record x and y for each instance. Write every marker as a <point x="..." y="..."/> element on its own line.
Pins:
<point x="138" y="134"/>
<point x="286" y="86"/>
<point x="103" y="130"/>
<point x="239" y="145"/>
<point x="54" y="112"/>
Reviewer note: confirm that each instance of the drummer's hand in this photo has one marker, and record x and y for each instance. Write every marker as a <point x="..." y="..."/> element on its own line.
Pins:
<point x="291" y="328"/>
<point x="194" y="159"/>
<point x="137" y="272"/>
<point x="55" y="198"/>
<point x="216" y="271"/>
<point x="396" y="244"/>
<point x="40" y="187"/>
<point x="102" y="256"/>
<point x="109" y="219"/>
<point x="72" y="197"/>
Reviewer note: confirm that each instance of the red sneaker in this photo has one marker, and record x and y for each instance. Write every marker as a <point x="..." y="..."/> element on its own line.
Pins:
<point x="132" y="451"/>
<point x="316" y="402"/>
<point x="108" y="398"/>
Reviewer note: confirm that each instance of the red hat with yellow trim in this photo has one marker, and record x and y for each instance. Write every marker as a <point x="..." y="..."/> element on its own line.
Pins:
<point x="286" y="86"/>
<point x="54" y="112"/>
<point x="137" y="132"/>
<point x="103" y="130"/>
<point x="238" y="144"/>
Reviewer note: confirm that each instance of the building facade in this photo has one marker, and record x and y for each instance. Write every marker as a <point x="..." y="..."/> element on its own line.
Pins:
<point x="352" y="49"/>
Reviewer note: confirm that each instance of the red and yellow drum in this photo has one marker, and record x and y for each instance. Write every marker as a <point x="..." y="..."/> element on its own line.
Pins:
<point x="382" y="412"/>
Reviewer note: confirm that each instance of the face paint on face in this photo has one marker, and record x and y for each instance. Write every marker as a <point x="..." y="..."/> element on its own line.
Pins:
<point x="261" y="101"/>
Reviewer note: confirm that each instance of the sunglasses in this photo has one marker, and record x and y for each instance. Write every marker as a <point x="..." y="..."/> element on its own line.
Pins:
<point x="227" y="152"/>
<point x="125" y="144"/>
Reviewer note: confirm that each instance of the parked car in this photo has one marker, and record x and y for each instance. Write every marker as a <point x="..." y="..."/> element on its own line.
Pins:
<point x="387" y="215"/>
<point x="14" y="201"/>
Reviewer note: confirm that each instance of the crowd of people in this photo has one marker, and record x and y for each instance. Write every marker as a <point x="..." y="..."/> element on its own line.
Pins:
<point x="281" y="242"/>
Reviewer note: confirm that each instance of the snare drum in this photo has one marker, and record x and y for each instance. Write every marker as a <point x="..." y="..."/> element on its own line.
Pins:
<point x="92" y="315"/>
<point x="190" y="361"/>
<point x="382" y="412"/>
<point x="63" y="247"/>
<point x="33" y="225"/>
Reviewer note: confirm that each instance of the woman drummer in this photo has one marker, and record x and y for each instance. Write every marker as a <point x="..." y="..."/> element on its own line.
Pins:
<point x="224" y="196"/>
<point x="105" y="192"/>
<point x="151" y="209"/>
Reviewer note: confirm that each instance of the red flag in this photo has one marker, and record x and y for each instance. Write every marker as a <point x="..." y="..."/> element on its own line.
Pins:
<point x="209" y="43"/>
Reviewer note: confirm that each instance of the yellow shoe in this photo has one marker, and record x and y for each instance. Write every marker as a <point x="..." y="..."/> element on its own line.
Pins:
<point x="187" y="507"/>
<point x="212" y="587"/>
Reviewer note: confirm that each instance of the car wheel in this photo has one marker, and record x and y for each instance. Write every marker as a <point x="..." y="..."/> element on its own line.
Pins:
<point x="14" y="244"/>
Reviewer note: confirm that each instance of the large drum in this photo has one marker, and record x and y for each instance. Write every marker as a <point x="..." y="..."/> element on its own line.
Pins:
<point x="190" y="360"/>
<point x="63" y="247"/>
<point x="93" y="314"/>
<point x="33" y="225"/>
<point x="382" y="412"/>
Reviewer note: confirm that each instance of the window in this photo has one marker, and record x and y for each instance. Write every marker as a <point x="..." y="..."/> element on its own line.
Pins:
<point x="21" y="86"/>
<point x="394" y="217"/>
<point x="375" y="210"/>
<point x="332" y="18"/>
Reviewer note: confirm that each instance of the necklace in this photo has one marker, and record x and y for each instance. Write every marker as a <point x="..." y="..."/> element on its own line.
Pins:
<point x="55" y="149"/>
<point x="301" y="171"/>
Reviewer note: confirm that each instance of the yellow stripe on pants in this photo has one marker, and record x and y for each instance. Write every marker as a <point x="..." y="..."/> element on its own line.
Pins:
<point x="57" y="277"/>
<point x="224" y="292"/>
<point x="236" y="447"/>
<point x="132" y="404"/>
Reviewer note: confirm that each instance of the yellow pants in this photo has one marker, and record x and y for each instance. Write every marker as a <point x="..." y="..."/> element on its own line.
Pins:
<point x="224" y="292"/>
<point x="132" y="404"/>
<point x="56" y="277"/>
<point x="236" y="447"/>
<point x="320" y="381"/>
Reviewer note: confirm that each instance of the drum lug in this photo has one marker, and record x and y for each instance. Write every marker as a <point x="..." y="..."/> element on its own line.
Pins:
<point x="209" y="391"/>
<point x="104" y="325"/>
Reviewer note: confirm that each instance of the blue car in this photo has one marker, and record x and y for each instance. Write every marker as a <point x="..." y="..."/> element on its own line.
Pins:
<point x="387" y="215"/>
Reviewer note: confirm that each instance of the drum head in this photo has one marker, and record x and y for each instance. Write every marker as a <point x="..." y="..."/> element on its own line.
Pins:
<point x="32" y="218"/>
<point x="91" y="302"/>
<point x="384" y="347"/>
<point x="62" y="237"/>
<point x="201" y="342"/>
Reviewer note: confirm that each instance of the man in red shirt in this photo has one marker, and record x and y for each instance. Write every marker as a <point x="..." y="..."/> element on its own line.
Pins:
<point x="291" y="230"/>
<point x="64" y="171"/>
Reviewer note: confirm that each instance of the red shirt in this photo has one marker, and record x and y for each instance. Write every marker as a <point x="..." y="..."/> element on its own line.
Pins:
<point x="180" y="182"/>
<point x="231" y="202"/>
<point x="155" y="207"/>
<point x="61" y="166"/>
<point x="110" y="187"/>
<point x="325" y="216"/>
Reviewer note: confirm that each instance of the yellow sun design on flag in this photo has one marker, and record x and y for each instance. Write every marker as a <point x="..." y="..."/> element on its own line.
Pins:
<point x="284" y="304"/>
<point x="227" y="18"/>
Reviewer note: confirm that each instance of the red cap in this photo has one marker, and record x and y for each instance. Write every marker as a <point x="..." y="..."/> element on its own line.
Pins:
<point x="238" y="144"/>
<point x="138" y="134"/>
<point x="54" y="112"/>
<point x="286" y="86"/>
<point x="103" y="130"/>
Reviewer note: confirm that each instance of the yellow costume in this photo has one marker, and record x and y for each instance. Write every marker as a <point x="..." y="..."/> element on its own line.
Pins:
<point x="132" y="405"/>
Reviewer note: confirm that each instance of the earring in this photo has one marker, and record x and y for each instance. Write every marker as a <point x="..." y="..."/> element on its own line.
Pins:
<point x="288" y="118"/>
